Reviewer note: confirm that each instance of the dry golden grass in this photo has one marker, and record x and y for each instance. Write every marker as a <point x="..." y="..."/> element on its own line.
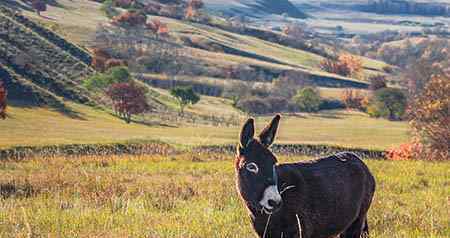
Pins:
<point x="188" y="195"/>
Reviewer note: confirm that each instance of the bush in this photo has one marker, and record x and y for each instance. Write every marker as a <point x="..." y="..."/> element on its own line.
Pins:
<point x="108" y="9"/>
<point x="101" y="81"/>
<point x="377" y="82"/>
<point x="308" y="99"/>
<point x="406" y="151"/>
<point x="254" y="105"/>
<point x="110" y="63"/>
<point x="353" y="99"/>
<point x="3" y="94"/>
<point x="346" y="65"/>
<point x="130" y="19"/>
<point x="388" y="103"/>
<point x="39" y="6"/>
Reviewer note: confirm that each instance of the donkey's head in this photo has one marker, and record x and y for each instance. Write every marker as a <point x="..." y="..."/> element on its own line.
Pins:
<point x="256" y="168"/>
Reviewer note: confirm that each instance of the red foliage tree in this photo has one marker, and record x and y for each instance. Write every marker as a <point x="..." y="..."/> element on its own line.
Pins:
<point x="3" y="94"/>
<point x="100" y="58"/>
<point x="39" y="6"/>
<point x="158" y="27"/>
<point x="130" y="18"/>
<point x="110" y="63"/>
<point x="128" y="99"/>
<point x="192" y="8"/>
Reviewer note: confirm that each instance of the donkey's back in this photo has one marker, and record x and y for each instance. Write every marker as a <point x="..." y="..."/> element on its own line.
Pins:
<point x="332" y="194"/>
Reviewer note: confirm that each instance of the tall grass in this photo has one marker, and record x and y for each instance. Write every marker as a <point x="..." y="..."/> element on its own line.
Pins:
<point x="189" y="195"/>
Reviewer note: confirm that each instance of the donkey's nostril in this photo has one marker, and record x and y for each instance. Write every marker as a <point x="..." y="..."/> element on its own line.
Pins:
<point x="273" y="203"/>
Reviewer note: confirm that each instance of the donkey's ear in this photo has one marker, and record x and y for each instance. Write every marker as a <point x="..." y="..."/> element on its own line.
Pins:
<point x="267" y="136"/>
<point x="247" y="132"/>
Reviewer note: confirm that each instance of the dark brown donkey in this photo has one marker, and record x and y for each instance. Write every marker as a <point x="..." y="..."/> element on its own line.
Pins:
<point x="327" y="197"/>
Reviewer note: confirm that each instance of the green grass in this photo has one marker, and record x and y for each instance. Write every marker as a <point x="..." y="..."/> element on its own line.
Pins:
<point x="188" y="196"/>
<point x="42" y="126"/>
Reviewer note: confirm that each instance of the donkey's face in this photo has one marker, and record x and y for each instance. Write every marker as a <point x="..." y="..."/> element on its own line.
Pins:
<point x="255" y="167"/>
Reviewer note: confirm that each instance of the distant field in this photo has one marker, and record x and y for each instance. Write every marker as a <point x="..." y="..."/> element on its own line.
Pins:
<point x="189" y="196"/>
<point x="40" y="126"/>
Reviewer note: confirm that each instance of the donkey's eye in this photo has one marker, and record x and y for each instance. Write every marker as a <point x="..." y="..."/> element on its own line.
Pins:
<point x="252" y="167"/>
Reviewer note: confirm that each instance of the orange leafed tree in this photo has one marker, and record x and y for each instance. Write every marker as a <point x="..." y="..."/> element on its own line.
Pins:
<point x="99" y="59"/>
<point x="158" y="27"/>
<point x="3" y="94"/>
<point x="130" y="18"/>
<point x="354" y="63"/>
<point x="192" y="8"/>
<point x="430" y="113"/>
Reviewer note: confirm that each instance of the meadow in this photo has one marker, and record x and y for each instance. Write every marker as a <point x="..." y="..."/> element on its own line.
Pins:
<point x="188" y="195"/>
<point x="37" y="126"/>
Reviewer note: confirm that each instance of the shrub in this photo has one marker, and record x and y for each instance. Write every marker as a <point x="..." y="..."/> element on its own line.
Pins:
<point x="128" y="99"/>
<point x="185" y="96"/>
<point x="430" y="118"/>
<point x="353" y="99"/>
<point x="3" y="95"/>
<point x="130" y="19"/>
<point x="120" y="74"/>
<point x="110" y="63"/>
<point x="388" y="103"/>
<point x="39" y="6"/>
<point x="101" y="81"/>
<point x="158" y="28"/>
<point x="108" y="9"/>
<point x="254" y="105"/>
<point x="346" y="65"/>
<point x="406" y="151"/>
<point x="377" y="82"/>
<point x="308" y="99"/>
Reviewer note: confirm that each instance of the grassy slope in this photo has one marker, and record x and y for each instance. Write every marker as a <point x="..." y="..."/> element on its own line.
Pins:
<point x="40" y="126"/>
<point x="189" y="196"/>
<point x="78" y="19"/>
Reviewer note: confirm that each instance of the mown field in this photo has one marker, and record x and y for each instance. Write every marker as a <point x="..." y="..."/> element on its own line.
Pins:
<point x="188" y="195"/>
<point x="33" y="126"/>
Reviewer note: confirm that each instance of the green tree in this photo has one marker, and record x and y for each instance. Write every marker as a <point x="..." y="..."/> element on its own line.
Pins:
<point x="120" y="74"/>
<point x="308" y="99"/>
<point x="185" y="96"/>
<point x="101" y="81"/>
<point x="388" y="103"/>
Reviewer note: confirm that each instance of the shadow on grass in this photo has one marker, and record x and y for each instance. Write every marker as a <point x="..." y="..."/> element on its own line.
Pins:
<point x="60" y="108"/>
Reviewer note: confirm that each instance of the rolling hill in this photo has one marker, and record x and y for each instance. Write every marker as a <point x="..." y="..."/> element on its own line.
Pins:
<point x="37" y="65"/>
<point x="255" y="8"/>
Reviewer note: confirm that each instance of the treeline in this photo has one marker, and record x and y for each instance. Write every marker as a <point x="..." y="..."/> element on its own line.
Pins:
<point x="408" y="7"/>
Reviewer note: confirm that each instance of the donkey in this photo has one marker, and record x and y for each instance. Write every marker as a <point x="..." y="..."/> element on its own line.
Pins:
<point x="323" y="198"/>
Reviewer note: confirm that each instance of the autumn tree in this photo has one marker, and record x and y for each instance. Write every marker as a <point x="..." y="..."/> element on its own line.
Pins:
<point x="345" y="65"/>
<point x="185" y="96"/>
<point x="3" y="94"/>
<point x="158" y="28"/>
<point x="353" y="99"/>
<point x="130" y="18"/>
<point x="192" y="8"/>
<point x="39" y="6"/>
<point x="430" y="118"/>
<point x="128" y="99"/>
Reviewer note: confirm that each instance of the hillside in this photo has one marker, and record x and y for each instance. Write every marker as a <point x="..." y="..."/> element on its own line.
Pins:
<point x="255" y="8"/>
<point x="38" y="66"/>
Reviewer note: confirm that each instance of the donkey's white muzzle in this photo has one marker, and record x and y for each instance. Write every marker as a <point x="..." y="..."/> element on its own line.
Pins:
<point x="271" y="199"/>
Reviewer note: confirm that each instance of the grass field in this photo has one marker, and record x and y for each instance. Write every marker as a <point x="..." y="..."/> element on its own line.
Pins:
<point x="41" y="126"/>
<point x="188" y="196"/>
